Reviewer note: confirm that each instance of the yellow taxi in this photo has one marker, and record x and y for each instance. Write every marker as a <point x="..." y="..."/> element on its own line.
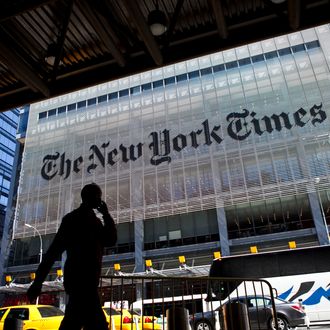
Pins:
<point x="148" y="322"/>
<point x="123" y="319"/>
<point x="37" y="317"/>
<point x="119" y="319"/>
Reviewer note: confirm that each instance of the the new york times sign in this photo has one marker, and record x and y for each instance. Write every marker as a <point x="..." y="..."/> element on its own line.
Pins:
<point x="240" y="125"/>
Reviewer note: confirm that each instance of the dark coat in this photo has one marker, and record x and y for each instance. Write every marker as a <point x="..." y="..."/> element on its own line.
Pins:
<point x="83" y="237"/>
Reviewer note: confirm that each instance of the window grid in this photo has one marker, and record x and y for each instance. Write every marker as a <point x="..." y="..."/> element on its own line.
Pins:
<point x="184" y="77"/>
<point x="176" y="187"/>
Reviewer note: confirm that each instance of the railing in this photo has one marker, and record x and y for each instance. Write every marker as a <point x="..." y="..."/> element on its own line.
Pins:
<point x="157" y="302"/>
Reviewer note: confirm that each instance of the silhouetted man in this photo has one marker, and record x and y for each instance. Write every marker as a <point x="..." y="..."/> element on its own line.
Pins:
<point x="83" y="236"/>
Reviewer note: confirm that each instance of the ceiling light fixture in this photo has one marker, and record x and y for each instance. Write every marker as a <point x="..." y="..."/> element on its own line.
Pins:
<point x="157" y="22"/>
<point x="50" y="56"/>
<point x="277" y="2"/>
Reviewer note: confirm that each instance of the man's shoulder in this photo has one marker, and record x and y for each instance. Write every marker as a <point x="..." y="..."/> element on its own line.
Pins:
<point x="71" y="215"/>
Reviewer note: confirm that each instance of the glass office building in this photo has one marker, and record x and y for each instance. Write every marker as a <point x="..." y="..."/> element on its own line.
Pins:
<point x="215" y="153"/>
<point x="8" y="127"/>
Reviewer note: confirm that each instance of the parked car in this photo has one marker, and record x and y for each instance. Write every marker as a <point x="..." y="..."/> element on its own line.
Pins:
<point x="37" y="317"/>
<point x="162" y="322"/>
<point x="123" y="319"/>
<point x="149" y="322"/>
<point x="119" y="319"/>
<point x="289" y="315"/>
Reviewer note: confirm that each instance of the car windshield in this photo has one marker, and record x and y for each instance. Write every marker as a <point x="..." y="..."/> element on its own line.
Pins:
<point x="48" y="311"/>
<point x="133" y="312"/>
<point x="2" y="311"/>
<point x="109" y="310"/>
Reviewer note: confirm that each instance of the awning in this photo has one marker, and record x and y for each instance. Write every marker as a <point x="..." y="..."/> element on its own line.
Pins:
<point x="16" y="288"/>
<point x="57" y="285"/>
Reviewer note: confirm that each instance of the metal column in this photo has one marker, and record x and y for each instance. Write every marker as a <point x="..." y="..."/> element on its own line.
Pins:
<point x="223" y="231"/>
<point x="318" y="217"/>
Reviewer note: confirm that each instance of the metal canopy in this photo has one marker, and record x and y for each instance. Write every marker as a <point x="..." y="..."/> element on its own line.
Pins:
<point x="51" y="47"/>
<point x="57" y="285"/>
<point x="16" y="288"/>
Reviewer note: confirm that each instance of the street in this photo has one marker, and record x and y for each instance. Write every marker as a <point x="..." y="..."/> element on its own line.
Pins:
<point x="315" y="327"/>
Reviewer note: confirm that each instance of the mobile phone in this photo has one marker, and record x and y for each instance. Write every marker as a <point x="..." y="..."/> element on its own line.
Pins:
<point x="100" y="204"/>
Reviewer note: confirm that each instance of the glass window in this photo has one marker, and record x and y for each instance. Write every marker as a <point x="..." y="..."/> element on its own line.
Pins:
<point x="72" y="107"/>
<point x="149" y="231"/>
<point x="61" y="110"/>
<point x="202" y="223"/>
<point x="193" y="74"/>
<point x="146" y="87"/>
<point x="2" y="312"/>
<point x="283" y="170"/>
<point x="266" y="171"/>
<point x="251" y="173"/>
<point x="51" y="112"/>
<point x="82" y="104"/>
<point x="169" y="81"/>
<point x="102" y="98"/>
<point x="181" y="77"/>
<point x="270" y="55"/>
<point x="113" y="96"/>
<point x="125" y="232"/>
<point x="284" y="51"/>
<point x="158" y="83"/>
<point x="298" y="48"/>
<point x="220" y="67"/>
<point x="161" y="230"/>
<point x="164" y="188"/>
<point x="260" y="302"/>
<point x="236" y="174"/>
<point x="206" y="71"/>
<point x="7" y="142"/>
<point x="124" y="92"/>
<point x="109" y="310"/>
<point x="91" y="101"/>
<point x="312" y="44"/>
<point x="6" y="183"/>
<point x="149" y="190"/>
<point x="43" y="115"/>
<point x="257" y="58"/>
<point x="11" y="115"/>
<point x="135" y="90"/>
<point x="206" y="180"/>
<point x="231" y="65"/>
<point x="6" y="158"/>
<point x="50" y="311"/>
<point x="244" y="61"/>
<point x="187" y="225"/>
<point x="18" y="313"/>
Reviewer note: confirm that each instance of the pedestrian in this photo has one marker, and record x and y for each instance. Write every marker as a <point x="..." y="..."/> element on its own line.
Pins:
<point x="83" y="236"/>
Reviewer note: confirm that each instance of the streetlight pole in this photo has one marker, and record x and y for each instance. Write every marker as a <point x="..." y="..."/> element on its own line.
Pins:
<point x="40" y="251"/>
<point x="40" y="238"/>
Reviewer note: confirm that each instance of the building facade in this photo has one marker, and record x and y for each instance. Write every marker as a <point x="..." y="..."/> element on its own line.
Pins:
<point x="216" y="153"/>
<point x="15" y="125"/>
<point x="8" y="127"/>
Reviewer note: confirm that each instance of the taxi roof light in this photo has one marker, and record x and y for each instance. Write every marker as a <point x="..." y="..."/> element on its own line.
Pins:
<point x="127" y="319"/>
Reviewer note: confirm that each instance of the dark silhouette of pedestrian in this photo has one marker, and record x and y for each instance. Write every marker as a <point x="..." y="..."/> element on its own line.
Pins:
<point x="83" y="236"/>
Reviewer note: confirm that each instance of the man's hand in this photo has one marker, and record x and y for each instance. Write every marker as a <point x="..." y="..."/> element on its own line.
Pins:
<point x="34" y="291"/>
<point x="103" y="208"/>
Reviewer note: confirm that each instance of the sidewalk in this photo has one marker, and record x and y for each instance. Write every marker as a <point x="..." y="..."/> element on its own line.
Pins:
<point x="314" y="326"/>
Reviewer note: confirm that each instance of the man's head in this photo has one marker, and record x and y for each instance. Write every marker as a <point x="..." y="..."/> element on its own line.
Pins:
<point x="91" y="195"/>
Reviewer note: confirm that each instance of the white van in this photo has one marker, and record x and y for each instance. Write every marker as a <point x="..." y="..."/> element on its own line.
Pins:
<point x="313" y="290"/>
